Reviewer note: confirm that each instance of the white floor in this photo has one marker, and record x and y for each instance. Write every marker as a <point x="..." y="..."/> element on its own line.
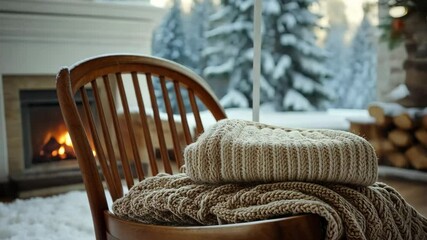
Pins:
<point x="62" y="217"/>
<point x="67" y="216"/>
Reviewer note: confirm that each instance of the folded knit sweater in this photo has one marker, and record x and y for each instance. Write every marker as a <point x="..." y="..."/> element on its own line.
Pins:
<point x="243" y="151"/>
<point x="323" y="172"/>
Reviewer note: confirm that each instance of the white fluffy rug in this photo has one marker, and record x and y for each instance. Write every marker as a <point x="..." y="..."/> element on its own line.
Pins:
<point x="65" y="216"/>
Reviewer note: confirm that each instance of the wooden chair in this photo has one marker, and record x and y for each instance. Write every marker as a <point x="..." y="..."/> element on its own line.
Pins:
<point x="93" y="124"/>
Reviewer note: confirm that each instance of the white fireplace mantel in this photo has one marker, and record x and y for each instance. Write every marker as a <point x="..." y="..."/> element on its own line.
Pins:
<point x="37" y="37"/>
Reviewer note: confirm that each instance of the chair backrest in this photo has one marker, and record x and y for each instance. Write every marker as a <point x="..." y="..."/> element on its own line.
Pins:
<point x="118" y="126"/>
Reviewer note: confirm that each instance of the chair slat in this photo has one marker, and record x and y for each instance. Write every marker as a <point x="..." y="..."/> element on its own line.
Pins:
<point x="118" y="191"/>
<point x="129" y="124"/>
<point x="125" y="162"/>
<point x="195" y="108"/>
<point x="182" y="112"/>
<point x="159" y="128"/>
<point x="145" y="128"/>
<point x="97" y="143"/>
<point x="171" y="120"/>
<point x="110" y="137"/>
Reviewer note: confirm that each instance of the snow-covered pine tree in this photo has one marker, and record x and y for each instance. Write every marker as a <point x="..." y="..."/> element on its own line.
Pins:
<point x="198" y="21"/>
<point x="361" y="89"/>
<point x="338" y="51"/>
<point x="230" y="51"/>
<point x="169" y="42"/>
<point x="292" y="73"/>
<point x="299" y="73"/>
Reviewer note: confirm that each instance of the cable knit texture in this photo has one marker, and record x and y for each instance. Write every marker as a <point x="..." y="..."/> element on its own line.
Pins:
<point x="356" y="212"/>
<point x="243" y="151"/>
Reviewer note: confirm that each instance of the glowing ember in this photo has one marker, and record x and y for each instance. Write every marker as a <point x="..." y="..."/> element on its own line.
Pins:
<point x="54" y="153"/>
<point x="61" y="152"/>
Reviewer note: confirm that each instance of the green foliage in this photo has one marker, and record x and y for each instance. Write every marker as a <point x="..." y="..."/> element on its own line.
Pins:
<point x="394" y="39"/>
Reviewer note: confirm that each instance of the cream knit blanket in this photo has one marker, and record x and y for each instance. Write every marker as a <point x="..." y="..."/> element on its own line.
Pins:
<point x="243" y="151"/>
<point x="374" y="212"/>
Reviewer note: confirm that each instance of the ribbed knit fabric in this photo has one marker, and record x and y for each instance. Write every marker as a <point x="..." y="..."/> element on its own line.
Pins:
<point x="243" y="151"/>
<point x="374" y="212"/>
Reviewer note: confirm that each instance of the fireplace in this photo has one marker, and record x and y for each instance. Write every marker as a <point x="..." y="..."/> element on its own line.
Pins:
<point x="45" y="137"/>
<point x="43" y="159"/>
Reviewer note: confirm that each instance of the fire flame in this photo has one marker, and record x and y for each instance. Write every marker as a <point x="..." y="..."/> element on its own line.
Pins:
<point x="65" y="149"/>
<point x="65" y="139"/>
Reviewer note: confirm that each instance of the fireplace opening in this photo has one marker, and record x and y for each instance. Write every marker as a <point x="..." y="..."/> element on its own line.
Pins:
<point x="45" y="135"/>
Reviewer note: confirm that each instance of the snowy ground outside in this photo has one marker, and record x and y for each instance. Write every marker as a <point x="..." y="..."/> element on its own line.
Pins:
<point x="337" y="119"/>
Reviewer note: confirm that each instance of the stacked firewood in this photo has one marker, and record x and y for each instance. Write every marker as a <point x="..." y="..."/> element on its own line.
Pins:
<point x="398" y="134"/>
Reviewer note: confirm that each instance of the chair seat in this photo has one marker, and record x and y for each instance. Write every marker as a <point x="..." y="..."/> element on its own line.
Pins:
<point x="302" y="227"/>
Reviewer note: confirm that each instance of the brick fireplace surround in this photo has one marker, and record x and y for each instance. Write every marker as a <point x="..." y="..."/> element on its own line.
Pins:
<point x="37" y="37"/>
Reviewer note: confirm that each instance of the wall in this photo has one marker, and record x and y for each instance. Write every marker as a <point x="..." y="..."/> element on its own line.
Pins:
<point x="37" y="37"/>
